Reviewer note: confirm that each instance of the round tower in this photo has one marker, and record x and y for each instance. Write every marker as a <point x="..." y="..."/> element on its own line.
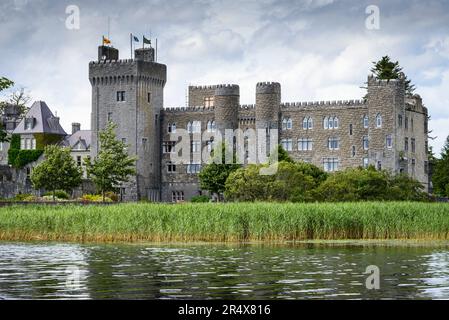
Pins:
<point x="226" y="102"/>
<point x="268" y="101"/>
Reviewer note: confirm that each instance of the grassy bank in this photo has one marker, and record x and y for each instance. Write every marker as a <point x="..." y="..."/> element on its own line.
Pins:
<point x="226" y="222"/>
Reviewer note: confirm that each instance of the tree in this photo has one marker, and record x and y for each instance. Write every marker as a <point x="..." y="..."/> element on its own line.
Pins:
<point x="214" y="175"/>
<point x="4" y="84"/>
<point x="112" y="166"/>
<point x="385" y="69"/>
<point x="440" y="174"/>
<point x="293" y="181"/>
<point x="58" y="171"/>
<point x="20" y="98"/>
<point x="282" y="155"/>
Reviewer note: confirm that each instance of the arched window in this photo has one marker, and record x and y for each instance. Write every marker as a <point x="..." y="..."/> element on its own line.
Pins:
<point x="190" y="127"/>
<point x="326" y="123"/>
<point x="211" y="126"/>
<point x="378" y="121"/>
<point x="331" y="123"/>
<point x="305" y="123"/>
<point x="365" y="143"/>
<point x="365" y="121"/>
<point x="310" y="123"/>
<point x="287" y="124"/>
<point x="335" y="123"/>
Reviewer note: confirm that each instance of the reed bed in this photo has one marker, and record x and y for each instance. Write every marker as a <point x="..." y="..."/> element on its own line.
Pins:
<point x="234" y="222"/>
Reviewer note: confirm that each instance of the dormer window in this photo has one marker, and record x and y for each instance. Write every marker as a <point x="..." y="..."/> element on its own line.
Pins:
<point x="29" y="123"/>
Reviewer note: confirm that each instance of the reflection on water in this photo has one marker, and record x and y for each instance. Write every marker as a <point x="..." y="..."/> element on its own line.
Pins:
<point x="308" y="271"/>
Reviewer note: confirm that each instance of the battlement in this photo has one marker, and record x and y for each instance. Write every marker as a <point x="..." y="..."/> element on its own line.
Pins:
<point x="227" y="90"/>
<point x="188" y="109"/>
<point x="268" y="87"/>
<point x="203" y="87"/>
<point x="106" y="63"/>
<point x="373" y="81"/>
<point x="247" y="106"/>
<point x="335" y="103"/>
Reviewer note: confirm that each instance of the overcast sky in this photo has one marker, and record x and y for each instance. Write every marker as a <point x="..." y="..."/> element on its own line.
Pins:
<point x="317" y="50"/>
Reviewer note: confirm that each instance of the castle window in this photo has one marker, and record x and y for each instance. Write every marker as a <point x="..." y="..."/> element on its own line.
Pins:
<point x="209" y="102"/>
<point x="149" y="97"/>
<point x="353" y="151"/>
<point x="287" y="144"/>
<point x="109" y="116"/>
<point x="22" y="143"/>
<point x="28" y="171"/>
<point x="177" y="196"/>
<point x="168" y="146"/>
<point x="365" y="143"/>
<point x="412" y="124"/>
<point x="350" y="129"/>
<point x="336" y="123"/>
<point x="365" y="122"/>
<point x="171" y="167"/>
<point x="121" y="96"/>
<point x="287" y="124"/>
<point x="29" y="123"/>
<point x="406" y="122"/>
<point x="333" y="143"/>
<point x="389" y="141"/>
<point x="195" y="146"/>
<point x="193" y="168"/>
<point x="326" y="123"/>
<point x="379" y="165"/>
<point x="305" y="144"/>
<point x="145" y="143"/>
<point x="330" y="164"/>
<point x="365" y="163"/>
<point x="171" y="128"/>
<point x="194" y="127"/>
<point x="379" y="121"/>
<point x="331" y="123"/>
<point x="426" y="167"/>
<point x="211" y="126"/>
<point x="400" y="120"/>
<point x="406" y="144"/>
<point x="78" y="161"/>
<point x="413" y="142"/>
<point x="307" y="123"/>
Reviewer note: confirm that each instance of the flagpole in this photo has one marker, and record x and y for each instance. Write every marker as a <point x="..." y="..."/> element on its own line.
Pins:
<point x="131" y="43"/>
<point x="156" y="51"/>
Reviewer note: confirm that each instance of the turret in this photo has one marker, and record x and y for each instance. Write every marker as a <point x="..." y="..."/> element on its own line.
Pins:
<point x="106" y="53"/>
<point x="268" y="101"/>
<point x="227" y="101"/>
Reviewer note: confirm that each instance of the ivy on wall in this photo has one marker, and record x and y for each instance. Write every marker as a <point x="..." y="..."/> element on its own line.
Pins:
<point x="20" y="158"/>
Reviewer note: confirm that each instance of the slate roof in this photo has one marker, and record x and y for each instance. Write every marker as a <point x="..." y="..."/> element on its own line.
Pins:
<point x="45" y="121"/>
<point x="81" y="136"/>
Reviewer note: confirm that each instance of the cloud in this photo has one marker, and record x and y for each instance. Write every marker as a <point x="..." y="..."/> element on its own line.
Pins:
<point x="317" y="49"/>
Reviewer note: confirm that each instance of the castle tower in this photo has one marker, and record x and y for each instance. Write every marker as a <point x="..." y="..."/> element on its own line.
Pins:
<point x="130" y="93"/>
<point x="386" y="108"/>
<point x="268" y="101"/>
<point x="227" y="102"/>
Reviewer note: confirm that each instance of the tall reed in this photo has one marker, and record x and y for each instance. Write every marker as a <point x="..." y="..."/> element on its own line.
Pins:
<point x="226" y="222"/>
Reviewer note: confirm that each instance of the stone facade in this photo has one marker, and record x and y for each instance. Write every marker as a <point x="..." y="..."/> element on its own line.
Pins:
<point x="387" y="129"/>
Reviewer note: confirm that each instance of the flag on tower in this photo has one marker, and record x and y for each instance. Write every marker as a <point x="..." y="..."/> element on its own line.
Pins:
<point x="146" y="41"/>
<point x="106" y="40"/>
<point x="135" y="38"/>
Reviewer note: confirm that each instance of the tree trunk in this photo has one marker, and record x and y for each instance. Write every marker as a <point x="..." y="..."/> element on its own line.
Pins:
<point x="54" y="196"/>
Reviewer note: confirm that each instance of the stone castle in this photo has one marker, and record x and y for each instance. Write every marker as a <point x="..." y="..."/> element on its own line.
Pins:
<point x="388" y="129"/>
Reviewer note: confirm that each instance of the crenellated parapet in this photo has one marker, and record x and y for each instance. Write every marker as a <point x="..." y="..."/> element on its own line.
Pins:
<point x="227" y="90"/>
<point x="268" y="88"/>
<point x="325" y="104"/>
<point x="188" y="109"/>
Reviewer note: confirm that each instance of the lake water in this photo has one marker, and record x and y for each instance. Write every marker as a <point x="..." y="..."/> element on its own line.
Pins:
<point x="149" y="271"/>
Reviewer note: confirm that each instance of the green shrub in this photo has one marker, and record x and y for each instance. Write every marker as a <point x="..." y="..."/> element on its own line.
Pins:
<point x="94" y="198"/>
<point x="200" y="199"/>
<point x="22" y="197"/>
<point x="60" y="194"/>
<point x="111" y="195"/>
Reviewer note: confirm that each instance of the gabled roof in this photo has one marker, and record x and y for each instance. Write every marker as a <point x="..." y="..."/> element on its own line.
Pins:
<point x="45" y="121"/>
<point x="81" y="136"/>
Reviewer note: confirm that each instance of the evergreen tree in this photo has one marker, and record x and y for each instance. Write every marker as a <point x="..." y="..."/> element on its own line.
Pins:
<point x="112" y="166"/>
<point x="4" y="84"/>
<point x="58" y="171"/>
<point x="385" y="69"/>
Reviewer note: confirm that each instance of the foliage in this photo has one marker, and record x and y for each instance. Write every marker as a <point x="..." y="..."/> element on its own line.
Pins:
<point x="20" y="158"/>
<point x="227" y="222"/>
<point x="4" y="134"/>
<point x="440" y="174"/>
<point x="200" y="199"/>
<point x="20" y="98"/>
<point x="59" y="194"/>
<point x="57" y="172"/>
<point x="292" y="182"/>
<point x="283" y="155"/>
<point x="112" y="166"/>
<point x="45" y="139"/>
<point x="213" y="176"/>
<point x="22" y="196"/>
<point x="368" y="185"/>
<point x="95" y="198"/>
<point x="5" y="83"/>
<point x="387" y="70"/>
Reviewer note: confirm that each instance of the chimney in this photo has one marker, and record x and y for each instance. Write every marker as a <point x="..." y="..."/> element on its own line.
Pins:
<point x="76" y="127"/>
